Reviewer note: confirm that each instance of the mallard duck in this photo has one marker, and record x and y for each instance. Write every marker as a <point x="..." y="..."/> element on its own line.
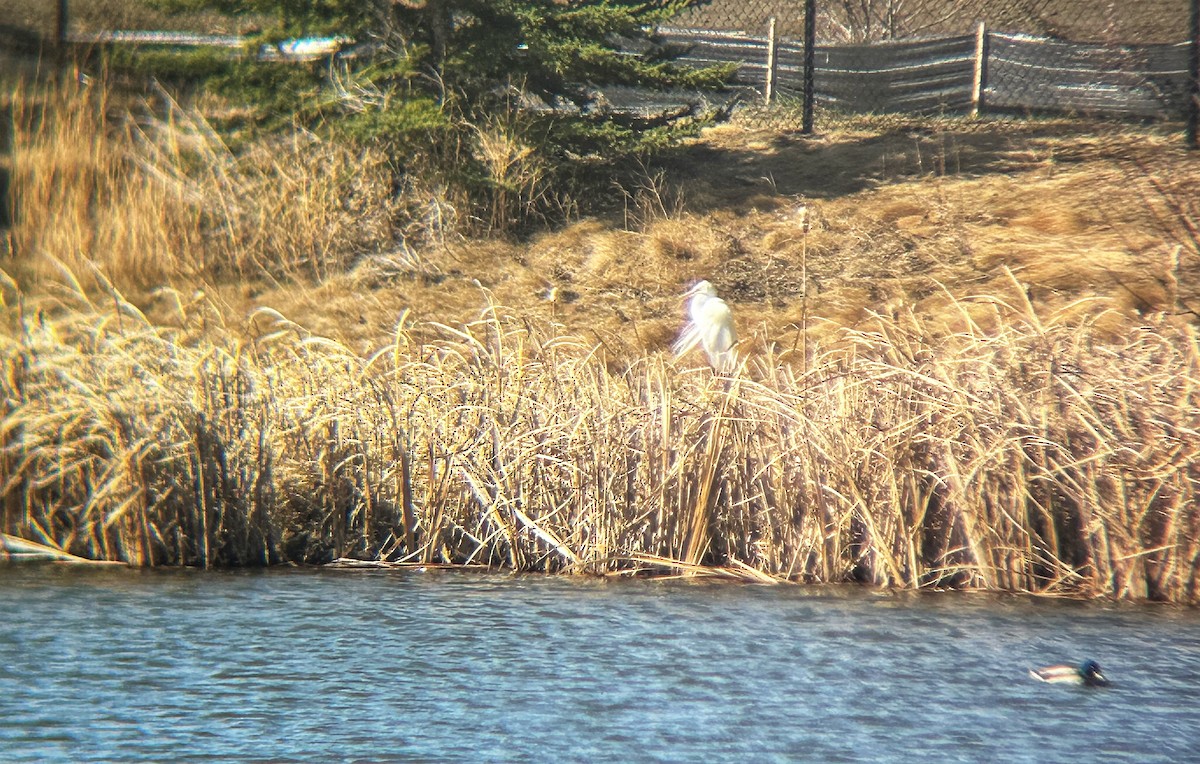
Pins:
<point x="1086" y="674"/>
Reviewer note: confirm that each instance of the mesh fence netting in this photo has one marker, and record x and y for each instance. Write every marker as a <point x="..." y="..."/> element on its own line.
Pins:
<point x="1003" y="57"/>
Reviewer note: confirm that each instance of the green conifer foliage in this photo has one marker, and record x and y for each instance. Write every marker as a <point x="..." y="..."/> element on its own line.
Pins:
<point x="427" y="75"/>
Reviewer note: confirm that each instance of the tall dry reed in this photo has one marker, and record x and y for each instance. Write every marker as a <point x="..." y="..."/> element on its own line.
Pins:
<point x="150" y="192"/>
<point x="1026" y="456"/>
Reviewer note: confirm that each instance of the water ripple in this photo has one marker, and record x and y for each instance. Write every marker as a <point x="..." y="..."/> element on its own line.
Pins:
<point x="325" y="666"/>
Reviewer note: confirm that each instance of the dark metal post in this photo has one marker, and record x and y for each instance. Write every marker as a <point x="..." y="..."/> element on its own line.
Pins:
<point x="1193" y="109"/>
<point x="810" y="40"/>
<point x="60" y="32"/>
<point x="6" y="205"/>
<point x="7" y="139"/>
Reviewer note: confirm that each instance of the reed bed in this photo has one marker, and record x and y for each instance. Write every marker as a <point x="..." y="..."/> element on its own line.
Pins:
<point x="1026" y="456"/>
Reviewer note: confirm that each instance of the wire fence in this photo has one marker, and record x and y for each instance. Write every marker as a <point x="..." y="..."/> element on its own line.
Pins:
<point x="871" y="21"/>
<point x="1093" y="59"/>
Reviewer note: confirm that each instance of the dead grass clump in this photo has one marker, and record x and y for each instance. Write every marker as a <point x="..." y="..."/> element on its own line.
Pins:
<point x="649" y="259"/>
<point x="688" y="242"/>
<point x="1028" y="456"/>
<point x="106" y="15"/>
<point x="517" y="177"/>
<point x="162" y="197"/>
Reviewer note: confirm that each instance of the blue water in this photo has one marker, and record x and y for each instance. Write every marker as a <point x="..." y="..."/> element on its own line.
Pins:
<point x="121" y="665"/>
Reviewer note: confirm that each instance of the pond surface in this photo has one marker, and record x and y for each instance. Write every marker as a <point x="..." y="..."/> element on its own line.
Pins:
<point x="125" y="665"/>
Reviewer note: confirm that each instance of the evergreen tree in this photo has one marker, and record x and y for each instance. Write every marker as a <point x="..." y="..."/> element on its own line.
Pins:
<point x="474" y="54"/>
<point x="553" y="46"/>
<point x="427" y="72"/>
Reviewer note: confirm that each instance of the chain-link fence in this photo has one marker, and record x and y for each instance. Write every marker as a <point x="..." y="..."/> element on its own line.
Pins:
<point x="859" y="21"/>
<point x="1012" y="57"/>
<point x="1097" y="58"/>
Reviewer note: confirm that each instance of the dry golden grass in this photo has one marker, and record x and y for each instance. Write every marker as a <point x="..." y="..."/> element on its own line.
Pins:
<point x="39" y="17"/>
<point x="157" y="195"/>
<point x="970" y="352"/>
<point x="826" y="232"/>
<point x="823" y="232"/>
<point x="1037" y="456"/>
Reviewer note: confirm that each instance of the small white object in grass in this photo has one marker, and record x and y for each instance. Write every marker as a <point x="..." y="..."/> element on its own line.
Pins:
<point x="711" y="327"/>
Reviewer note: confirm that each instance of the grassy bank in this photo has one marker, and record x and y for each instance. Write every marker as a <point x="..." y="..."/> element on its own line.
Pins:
<point x="1031" y="457"/>
<point x="970" y="359"/>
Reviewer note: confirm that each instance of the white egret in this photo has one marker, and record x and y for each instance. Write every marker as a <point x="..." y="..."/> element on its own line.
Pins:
<point x="711" y="326"/>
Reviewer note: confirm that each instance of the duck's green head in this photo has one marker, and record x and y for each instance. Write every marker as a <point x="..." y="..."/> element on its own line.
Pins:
<point x="1090" y="671"/>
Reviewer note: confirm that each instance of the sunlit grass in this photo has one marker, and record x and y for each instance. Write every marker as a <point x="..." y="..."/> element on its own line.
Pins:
<point x="1028" y="457"/>
<point x="154" y="194"/>
<point x="1021" y="440"/>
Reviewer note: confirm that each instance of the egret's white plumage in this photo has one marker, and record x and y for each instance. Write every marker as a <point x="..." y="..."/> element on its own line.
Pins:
<point x="711" y="326"/>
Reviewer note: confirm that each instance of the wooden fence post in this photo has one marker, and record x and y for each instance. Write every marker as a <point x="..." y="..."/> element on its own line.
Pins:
<point x="1193" y="90"/>
<point x="810" y="39"/>
<point x="772" y="52"/>
<point x="979" y="80"/>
